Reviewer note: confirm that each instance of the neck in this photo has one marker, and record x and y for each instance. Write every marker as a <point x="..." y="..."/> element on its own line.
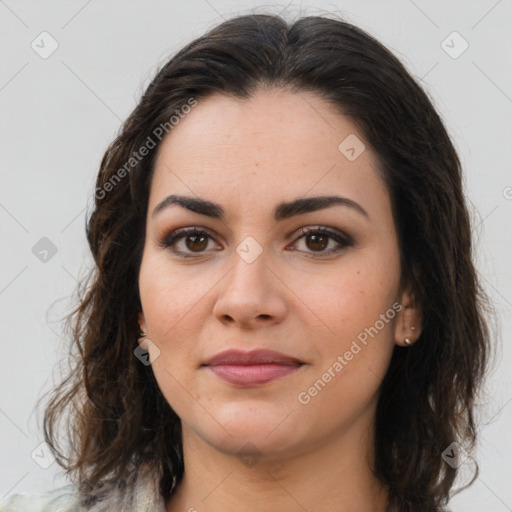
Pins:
<point x="332" y="475"/>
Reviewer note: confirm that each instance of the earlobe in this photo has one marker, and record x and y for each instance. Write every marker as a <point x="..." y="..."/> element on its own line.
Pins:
<point x="141" y="335"/>
<point x="408" y="322"/>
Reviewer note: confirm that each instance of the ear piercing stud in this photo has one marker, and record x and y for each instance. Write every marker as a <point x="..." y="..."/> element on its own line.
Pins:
<point x="408" y="341"/>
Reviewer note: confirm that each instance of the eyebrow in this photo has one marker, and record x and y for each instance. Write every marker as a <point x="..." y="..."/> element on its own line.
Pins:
<point x="282" y="211"/>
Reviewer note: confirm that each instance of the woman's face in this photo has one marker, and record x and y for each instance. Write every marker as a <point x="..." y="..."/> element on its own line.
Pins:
<point x="253" y="280"/>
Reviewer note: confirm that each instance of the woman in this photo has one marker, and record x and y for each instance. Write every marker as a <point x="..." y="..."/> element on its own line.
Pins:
<point x="284" y="312"/>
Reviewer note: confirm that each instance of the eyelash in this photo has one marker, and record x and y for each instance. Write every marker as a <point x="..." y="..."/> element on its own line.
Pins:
<point x="341" y="238"/>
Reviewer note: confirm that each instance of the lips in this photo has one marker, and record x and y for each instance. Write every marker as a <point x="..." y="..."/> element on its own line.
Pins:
<point x="261" y="356"/>
<point x="247" y="369"/>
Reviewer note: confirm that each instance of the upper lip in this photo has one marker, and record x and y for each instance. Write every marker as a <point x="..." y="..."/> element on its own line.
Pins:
<point x="259" y="356"/>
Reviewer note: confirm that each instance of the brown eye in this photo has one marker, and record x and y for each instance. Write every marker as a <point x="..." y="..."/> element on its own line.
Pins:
<point x="187" y="241"/>
<point x="317" y="242"/>
<point x="196" y="242"/>
<point x="192" y="242"/>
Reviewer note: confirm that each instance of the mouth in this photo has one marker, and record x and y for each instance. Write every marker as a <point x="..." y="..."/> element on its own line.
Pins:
<point x="252" y="368"/>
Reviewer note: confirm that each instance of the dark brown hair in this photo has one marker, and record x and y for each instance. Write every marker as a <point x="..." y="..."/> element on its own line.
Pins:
<point x="118" y="417"/>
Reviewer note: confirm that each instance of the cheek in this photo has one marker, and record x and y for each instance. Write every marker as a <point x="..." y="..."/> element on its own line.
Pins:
<point x="354" y="356"/>
<point x="355" y="306"/>
<point x="171" y="301"/>
<point x="351" y="299"/>
<point x="169" y="298"/>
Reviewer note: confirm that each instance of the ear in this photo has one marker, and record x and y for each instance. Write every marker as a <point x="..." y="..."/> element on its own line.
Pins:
<point x="142" y="328"/>
<point x="408" y="323"/>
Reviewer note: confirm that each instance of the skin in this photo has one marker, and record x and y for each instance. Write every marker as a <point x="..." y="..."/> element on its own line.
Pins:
<point x="248" y="156"/>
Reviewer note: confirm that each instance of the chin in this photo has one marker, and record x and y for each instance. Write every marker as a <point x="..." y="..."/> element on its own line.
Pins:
<point x="258" y="435"/>
<point x="253" y="447"/>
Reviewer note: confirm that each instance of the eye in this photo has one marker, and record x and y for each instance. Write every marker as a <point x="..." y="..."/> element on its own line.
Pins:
<point x="195" y="240"/>
<point x="189" y="242"/>
<point x="317" y="240"/>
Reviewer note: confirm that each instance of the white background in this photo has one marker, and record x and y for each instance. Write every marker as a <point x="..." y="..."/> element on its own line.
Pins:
<point x="58" y="115"/>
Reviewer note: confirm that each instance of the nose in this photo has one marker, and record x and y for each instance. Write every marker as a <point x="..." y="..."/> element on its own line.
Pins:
<point x="251" y="294"/>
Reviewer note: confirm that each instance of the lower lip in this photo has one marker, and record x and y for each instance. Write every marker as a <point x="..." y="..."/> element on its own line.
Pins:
<point x="253" y="374"/>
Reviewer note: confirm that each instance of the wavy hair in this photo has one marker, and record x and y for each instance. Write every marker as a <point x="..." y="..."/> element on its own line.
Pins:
<point x="118" y="419"/>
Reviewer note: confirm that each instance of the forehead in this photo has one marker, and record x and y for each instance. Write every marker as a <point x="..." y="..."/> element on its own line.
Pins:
<point x="275" y="145"/>
<point x="220" y="120"/>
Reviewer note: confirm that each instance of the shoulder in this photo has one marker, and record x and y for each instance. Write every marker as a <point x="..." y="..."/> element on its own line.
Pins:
<point x="138" y="492"/>
<point x="63" y="499"/>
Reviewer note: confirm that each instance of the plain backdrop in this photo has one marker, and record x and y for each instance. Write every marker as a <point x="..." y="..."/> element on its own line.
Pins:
<point x="60" y="111"/>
